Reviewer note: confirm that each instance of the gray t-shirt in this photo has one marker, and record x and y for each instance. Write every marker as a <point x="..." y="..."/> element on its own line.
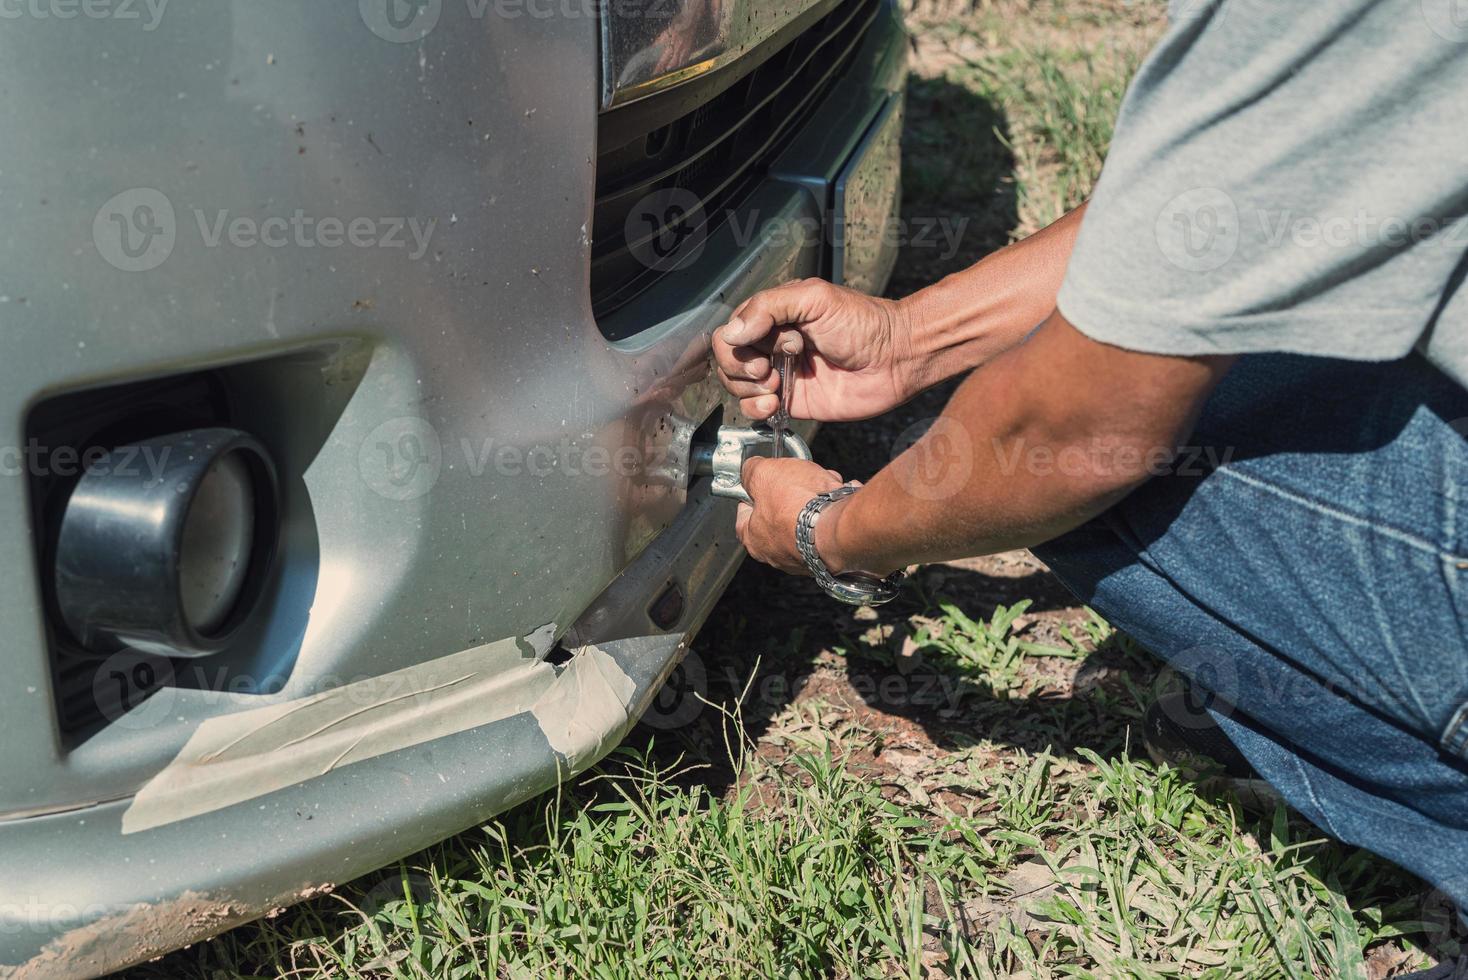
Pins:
<point x="1287" y="176"/>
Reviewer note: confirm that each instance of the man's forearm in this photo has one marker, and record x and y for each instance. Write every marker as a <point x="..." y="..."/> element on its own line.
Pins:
<point x="1033" y="444"/>
<point x="968" y="318"/>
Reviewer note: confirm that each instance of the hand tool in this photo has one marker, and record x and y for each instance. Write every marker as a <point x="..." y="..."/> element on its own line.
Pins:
<point x="785" y="366"/>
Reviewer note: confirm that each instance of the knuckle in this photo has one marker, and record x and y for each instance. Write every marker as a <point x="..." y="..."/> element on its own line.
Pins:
<point x="732" y="365"/>
<point x="752" y="476"/>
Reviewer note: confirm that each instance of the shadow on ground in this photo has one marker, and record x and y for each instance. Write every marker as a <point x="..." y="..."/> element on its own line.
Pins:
<point x="957" y="177"/>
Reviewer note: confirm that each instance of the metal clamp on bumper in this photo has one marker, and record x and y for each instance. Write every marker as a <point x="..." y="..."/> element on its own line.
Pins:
<point x="724" y="459"/>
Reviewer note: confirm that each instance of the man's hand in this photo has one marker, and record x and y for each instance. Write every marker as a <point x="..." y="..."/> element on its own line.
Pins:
<point x="779" y="488"/>
<point x="855" y="354"/>
<point x="862" y="355"/>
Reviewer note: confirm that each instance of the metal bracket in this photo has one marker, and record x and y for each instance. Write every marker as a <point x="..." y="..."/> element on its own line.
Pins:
<point x="724" y="459"/>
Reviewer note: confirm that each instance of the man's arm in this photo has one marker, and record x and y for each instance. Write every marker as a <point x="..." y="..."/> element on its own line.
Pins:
<point x="863" y="355"/>
<point x="1044" y="437"/>
<point x="966" y="319"/>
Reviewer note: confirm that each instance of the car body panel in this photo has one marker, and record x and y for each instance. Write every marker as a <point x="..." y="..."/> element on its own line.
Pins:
<point x="385" y="384"/>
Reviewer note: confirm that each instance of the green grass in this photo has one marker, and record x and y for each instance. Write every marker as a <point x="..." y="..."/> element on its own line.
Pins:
<point x="990" y="649"/>
<point x="1065" y="104"/>
<point x="1056" y="74"/>
<point x="820" y="859"/>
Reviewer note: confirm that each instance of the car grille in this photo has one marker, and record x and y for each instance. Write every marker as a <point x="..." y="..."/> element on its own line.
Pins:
<point x="716" y="153"/>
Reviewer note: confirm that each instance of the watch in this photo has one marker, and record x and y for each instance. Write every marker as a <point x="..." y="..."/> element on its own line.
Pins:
<point x="856" y="588"/>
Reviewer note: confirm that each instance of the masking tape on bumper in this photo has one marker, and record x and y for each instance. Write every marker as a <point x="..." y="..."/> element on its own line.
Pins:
<point x="586" y="707"/>
<point x="241" y="756"/>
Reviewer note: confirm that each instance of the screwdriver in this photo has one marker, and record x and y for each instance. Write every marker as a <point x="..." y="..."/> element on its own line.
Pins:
<point x="785" y="365"/>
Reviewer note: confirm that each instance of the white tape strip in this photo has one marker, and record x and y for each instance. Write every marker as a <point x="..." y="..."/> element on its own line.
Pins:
<point x="586" y="708"/>
<point x="241" y="756"/>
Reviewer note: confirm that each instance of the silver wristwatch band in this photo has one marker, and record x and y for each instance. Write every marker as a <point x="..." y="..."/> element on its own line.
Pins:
<point x="856" y="588"/>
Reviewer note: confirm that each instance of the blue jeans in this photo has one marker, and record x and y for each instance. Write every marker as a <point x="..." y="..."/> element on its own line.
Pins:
<point x="1316" y="581"/>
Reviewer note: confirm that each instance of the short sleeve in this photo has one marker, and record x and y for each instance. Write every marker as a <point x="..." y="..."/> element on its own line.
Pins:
<point x="1283" y="177"/>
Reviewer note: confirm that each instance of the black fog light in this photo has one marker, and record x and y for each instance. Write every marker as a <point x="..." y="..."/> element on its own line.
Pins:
<point x="165" y="545"/>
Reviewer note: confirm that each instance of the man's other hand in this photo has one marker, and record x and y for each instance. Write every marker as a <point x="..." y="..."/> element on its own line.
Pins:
<point x="855" y="353"/>
<point x="780" y="488"/>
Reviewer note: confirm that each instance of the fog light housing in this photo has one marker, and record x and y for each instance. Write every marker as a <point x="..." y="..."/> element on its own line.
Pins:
<point x="165" y="545"/>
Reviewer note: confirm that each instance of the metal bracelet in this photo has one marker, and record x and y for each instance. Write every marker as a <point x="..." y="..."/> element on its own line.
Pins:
<point x="856" y="588"/>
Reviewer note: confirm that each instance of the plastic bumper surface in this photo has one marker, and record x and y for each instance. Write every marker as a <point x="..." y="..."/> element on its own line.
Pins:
<point x="263" y="807"/>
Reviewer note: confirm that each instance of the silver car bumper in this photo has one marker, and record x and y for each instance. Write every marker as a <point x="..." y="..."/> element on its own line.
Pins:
<point x="400" y="689"/>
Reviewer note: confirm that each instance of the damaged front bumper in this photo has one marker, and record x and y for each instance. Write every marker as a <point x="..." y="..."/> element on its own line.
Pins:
<point x="391" y="731"/>
<point x="266" y="807"/>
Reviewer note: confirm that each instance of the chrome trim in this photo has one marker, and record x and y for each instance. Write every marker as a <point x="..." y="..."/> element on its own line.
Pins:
<point x="652" y="45"/>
